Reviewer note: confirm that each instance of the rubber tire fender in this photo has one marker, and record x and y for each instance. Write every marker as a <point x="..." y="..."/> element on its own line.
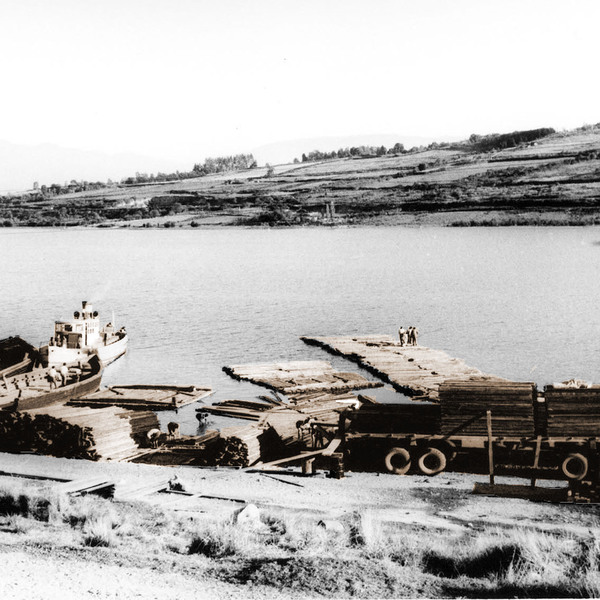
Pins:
<point x="432" y="461"/>
<point x="398" y="461"/>
<point x="575" y="466"/>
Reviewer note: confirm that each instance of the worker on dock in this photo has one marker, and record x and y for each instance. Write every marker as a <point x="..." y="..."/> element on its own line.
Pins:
<point x="415" y="335"/>
<point x="64" y="373"/>
<point x="52" y="377"/>
<point x="402" y="335"/>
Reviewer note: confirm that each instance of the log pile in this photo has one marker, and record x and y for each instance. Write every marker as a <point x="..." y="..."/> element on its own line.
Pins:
<point x="412" y="370"/>
<point x="299" y="377"/>
<point x="511" y="405"/>
<point x="418" y="417"/>
<point x="572" y="411"/>
<point x="76" y="432"/>
<point x="238" y="446"/>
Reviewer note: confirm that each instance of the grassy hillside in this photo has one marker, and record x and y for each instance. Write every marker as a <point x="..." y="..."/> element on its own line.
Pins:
<point x="553" y="180"/>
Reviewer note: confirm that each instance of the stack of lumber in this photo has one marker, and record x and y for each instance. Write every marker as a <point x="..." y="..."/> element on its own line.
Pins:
<point x="145" y="397"/>
<point x="511" y="405"/>
<point x="300" y="376"/>
<point x="240" y="446"/>
<point x="572" y="411"/>
<point x="418" y="417"/>
<point x="284" y="423"/>
<point x="111" y="433"/>
<point x="413" y="370"/>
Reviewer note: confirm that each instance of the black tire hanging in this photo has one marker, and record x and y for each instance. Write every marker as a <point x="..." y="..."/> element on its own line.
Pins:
<point x="575" y="466"/>
<point x="398" y="461"/>
<point x="432" y="461"/>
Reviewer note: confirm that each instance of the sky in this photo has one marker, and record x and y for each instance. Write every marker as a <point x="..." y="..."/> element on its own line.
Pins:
<point x="187" y="79"/>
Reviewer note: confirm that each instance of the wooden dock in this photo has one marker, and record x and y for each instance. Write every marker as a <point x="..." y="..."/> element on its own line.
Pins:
<point x="413" y="370"/>
<point x="145" y="397"/>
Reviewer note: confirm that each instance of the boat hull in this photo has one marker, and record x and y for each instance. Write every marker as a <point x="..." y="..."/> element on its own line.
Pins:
<point x="57" y="355"/>
<point x="31" y="398"/>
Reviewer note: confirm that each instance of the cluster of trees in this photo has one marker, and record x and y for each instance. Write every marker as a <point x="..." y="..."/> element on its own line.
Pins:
<point x="222" y="164"/>
<point x="73" y="186"/>
<point x="159" y="177"/>
<point x="316" y="155"/>
<point x="499" y="141"/>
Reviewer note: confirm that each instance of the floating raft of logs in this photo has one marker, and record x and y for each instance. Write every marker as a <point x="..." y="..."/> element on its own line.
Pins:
<point x="299" y="377"/>
<point x="412" y="370"/>
<point x="145" y="397"/>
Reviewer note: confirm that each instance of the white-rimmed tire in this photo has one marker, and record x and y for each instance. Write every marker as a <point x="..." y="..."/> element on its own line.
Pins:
<point x="432" y="462"/>
<point x="575" y="466"/>
<point x="398" y="461"/>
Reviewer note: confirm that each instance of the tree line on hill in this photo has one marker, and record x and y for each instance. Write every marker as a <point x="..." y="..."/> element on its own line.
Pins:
<point x="219" y="164"/>
<point x="500" y="141"/>
<point x="368" y="151"/>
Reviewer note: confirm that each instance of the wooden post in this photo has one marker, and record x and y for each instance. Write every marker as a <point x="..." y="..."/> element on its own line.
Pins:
<point x="307" y="466"/>
<point x="490" y="447"/>
<point x="536" y="459"/>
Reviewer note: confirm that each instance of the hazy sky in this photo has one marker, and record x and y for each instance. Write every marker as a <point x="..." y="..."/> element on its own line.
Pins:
<point x="184" y="79"/>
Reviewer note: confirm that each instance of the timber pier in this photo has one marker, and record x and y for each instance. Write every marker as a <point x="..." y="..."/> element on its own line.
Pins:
<point x="415" y="371"/>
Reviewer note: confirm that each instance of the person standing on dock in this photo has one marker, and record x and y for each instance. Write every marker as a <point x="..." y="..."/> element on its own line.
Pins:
<point x="64" y="373"/>
<point x="52" y="377"/>
<point x="415" y="334"/>
<point x="412" y="336"/>
<point x="402" y="335"/>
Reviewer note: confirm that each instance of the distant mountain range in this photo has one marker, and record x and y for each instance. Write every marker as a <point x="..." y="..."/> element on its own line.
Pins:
<point x="21" y="165"/>
<point x="286" y="151"/>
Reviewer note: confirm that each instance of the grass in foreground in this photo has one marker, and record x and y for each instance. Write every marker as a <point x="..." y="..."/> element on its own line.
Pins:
<point x="356" y="556"/>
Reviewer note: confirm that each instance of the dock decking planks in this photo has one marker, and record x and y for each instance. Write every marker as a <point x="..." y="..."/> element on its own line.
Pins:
<point x="413" y="370"/>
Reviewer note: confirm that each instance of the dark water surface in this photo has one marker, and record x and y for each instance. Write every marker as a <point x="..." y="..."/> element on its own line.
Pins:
<point x="517" y="302"/>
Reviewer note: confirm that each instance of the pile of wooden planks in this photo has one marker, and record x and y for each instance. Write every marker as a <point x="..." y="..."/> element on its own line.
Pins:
<point x="413" y="370"/>
<point x="299" y="377"/>
<point x="111" y="433"/>
<point x="511" y="405"/>
<point x="145" y="397"/>
<point x="418" y="417"/>
<point x="572" y="411"/>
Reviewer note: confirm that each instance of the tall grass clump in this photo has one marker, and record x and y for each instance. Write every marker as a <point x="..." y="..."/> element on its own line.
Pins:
<point x="218" y="540"/>
<point x="18" y="501"/>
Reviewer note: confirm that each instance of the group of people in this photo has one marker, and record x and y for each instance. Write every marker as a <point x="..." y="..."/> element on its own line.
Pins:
<point x="408" y="337"/>
<point x="58" y="377"/>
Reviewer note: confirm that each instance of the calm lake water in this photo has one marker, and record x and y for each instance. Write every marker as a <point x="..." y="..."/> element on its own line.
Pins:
<point x="517" y="302"/>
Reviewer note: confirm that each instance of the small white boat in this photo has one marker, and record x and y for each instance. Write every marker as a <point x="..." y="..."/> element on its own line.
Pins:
<point x="74" y="341"/>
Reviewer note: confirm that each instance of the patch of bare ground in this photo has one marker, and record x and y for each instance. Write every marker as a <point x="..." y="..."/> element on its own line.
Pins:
<point x="365" y="536"/>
